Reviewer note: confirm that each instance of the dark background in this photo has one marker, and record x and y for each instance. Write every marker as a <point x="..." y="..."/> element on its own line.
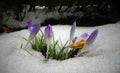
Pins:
<point x="105" y="11"/>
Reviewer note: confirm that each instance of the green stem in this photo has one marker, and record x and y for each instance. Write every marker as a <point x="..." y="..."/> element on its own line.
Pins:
<point x="26" y="45"/>
<point x="81" y="51"/>
<point x="28" y="52"/>
<point x="26" y="49"/>
<point x="61" y="50"/>
<point x="47" y="53"/>
<point x="68" y="49"/>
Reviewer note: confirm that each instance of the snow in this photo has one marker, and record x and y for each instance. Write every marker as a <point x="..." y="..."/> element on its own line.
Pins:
<point x="106" y="47"/>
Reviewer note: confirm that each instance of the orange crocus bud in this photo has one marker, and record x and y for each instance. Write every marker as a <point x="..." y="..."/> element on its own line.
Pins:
<point x="79" y="44"/>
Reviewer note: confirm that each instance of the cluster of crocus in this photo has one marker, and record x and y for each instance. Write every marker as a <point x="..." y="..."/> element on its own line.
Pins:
<point x="76" y="42"/>
<point x="34" y="30"/>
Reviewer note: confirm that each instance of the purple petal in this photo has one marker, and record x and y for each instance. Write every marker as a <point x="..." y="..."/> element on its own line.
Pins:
<point x="74" y="39"/>
<point x="48" y="32"/>
<point x="72" y="31"/>
<point x="35" y="30"/>
<point x="92" y="37"/>
<point x="84" y="36"/>
<point x="30" y="26"/>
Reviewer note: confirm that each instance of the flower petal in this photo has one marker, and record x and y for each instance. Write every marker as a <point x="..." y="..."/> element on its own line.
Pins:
<point x="92" y="37"/>
<point x="34" y="31"/>
<point x="72" y="31"/>
<point x="84" y="36"/>
<point x="74" y="39"/>
<point x="48" y="32"/>
<point x="79" y="44"/>
<point x="30" y="26"/>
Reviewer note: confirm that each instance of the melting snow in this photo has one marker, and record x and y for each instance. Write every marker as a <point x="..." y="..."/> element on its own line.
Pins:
<point x="13" y="59"/>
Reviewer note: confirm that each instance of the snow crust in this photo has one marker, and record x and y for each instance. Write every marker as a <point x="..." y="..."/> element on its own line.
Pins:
<point x="13" y="59"/>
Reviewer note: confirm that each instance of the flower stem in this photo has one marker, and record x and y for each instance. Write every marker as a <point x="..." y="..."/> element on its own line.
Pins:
<point x="68" y="49"/>
<point x="26" y="45"/>
<point x="28" y="52"/>
<point x="47" y="53"/>
<point x="26" y="49"/>
<point x="81" y="51"/>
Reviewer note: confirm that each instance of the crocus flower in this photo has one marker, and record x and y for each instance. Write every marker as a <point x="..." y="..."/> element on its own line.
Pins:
<point x="81" y="41"/>
<point x="48" y="33"/>
<point x="72" y="31"/>
<point x="33" y="30"/>
<point x="48" y="37"/>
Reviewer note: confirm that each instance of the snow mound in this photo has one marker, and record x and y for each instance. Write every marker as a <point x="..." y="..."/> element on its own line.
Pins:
<point x="13" y="59"/>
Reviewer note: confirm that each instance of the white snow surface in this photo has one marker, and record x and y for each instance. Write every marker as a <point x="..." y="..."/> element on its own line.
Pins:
<point x="106" y="59"/>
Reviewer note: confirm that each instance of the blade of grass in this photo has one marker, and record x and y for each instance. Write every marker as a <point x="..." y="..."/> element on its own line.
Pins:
<point x="62" y="49"/>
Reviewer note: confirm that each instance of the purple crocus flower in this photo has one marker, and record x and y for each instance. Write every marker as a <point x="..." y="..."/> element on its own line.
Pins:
<point x="48" y="36"/>
<point x="82" y="43"/>
<point x="72" y="31"/>
<point x="92" y="37"/>
<point x="33" y="30"/>
<point x="48" y="33"/>
<point x="89" y="41"/>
